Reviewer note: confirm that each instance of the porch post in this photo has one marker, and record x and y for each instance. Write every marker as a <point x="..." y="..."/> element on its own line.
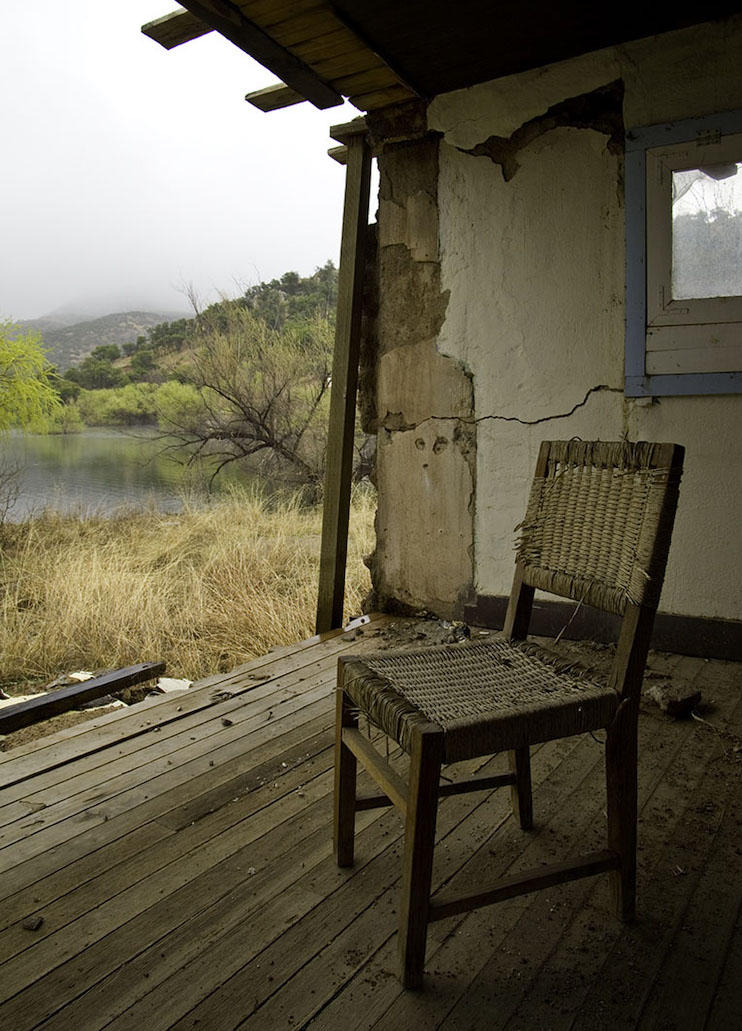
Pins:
<point x="339" y="460"/>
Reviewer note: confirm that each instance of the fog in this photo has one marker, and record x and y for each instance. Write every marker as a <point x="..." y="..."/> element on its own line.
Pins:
<point x="131" y="172"/>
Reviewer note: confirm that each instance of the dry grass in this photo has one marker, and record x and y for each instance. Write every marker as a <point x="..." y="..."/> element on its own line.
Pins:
<point x="204" y="590"/>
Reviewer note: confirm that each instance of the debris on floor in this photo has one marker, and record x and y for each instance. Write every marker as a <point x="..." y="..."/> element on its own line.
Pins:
<point x="675" y="697"/>
<point x="165" y="685"/>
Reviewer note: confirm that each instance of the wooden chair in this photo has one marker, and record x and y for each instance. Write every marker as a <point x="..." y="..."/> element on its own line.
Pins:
<point x="597" y="530"/>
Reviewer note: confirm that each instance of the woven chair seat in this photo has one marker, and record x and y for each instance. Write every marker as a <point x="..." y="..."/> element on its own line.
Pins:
<point x="486" y="697"/>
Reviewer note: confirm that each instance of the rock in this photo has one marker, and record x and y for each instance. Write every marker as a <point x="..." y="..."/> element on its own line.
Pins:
<point x="676" y="699"/>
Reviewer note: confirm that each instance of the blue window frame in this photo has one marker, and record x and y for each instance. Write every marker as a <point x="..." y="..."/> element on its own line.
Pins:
<point x="646" y="148"/>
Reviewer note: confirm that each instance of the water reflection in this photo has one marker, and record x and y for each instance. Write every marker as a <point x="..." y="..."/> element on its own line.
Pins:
<point x="100" y="470"/>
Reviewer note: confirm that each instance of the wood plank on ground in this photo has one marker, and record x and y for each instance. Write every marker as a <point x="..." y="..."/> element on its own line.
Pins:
<point x="565" y="979"/>
<point x="189" y="712"/>
<point x="683" y="993"/>
<point x="166" y="890"/>
<point x="210" y="953"/>
<point x="67" y="745"/>
<point x="282" y="792"/>
<point x="137" y="807"/>
<point x="141" y="932"/>
<point x="270" y="791"/>
<point x="99" y="803"/>
<point x="726" y="1011"/>
<point x="228" y="742"/>
<point x="226" y="719"/>
<point x="50" y="703"/>
<point x="639" y="952"/>
<point x="380" y="841"/>
<point x="321" y="884"/>
<point x="274" y="864"/>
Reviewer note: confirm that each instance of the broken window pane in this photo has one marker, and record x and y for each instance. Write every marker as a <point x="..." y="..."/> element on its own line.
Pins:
<point x="707" y="232"/>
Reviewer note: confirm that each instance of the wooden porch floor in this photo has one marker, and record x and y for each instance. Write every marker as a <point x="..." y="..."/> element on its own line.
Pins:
<point x="180" y="858"/>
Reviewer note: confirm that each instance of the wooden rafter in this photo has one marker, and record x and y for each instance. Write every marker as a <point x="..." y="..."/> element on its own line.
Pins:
<point x="230" y="21"/>
<point x="316" y="56"/>
<point x="273" y="98"/>
<point x="173" y="29"/>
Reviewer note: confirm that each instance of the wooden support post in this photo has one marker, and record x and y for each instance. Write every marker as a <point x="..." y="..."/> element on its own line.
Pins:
<point x="344" y="385"/>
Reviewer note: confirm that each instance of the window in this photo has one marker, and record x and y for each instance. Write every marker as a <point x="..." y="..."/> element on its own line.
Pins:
<point x="684" y="257"/>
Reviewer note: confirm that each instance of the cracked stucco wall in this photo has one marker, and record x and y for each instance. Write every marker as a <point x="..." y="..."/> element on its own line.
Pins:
<point x="534" y="270"/>
<point x="424" y="466"/>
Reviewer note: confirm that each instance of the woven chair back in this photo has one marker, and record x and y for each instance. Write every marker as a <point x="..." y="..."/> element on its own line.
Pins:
<point x="599" y="519"/>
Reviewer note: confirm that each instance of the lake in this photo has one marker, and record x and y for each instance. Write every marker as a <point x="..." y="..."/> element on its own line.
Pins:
<point x="100" y="470"/>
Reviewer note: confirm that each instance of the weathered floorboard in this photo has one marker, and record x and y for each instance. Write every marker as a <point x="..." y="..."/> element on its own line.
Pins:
<point x="184" y="873"/>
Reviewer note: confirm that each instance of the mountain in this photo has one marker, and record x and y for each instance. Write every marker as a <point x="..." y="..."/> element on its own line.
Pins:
<point x="68" y="344"/>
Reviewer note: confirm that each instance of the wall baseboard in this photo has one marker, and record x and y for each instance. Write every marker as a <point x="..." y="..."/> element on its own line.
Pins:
<point x="685" y="635"/>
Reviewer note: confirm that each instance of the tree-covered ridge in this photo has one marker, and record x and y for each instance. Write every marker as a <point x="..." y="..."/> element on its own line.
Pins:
<point x="284" y="305"/>
<point x="69" y="343"/>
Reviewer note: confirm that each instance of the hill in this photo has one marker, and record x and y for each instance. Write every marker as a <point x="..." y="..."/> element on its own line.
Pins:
<point x="68" y="344"/>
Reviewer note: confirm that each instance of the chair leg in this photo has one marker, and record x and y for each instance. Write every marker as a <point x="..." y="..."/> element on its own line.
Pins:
<point x="417" y="868"/>
<point x="345" y="784"/>
<point x="520" y="765"/>
<point x="621" y="787"/>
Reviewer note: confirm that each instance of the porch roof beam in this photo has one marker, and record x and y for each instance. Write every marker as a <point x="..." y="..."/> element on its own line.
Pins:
<point x="229" y="20"/>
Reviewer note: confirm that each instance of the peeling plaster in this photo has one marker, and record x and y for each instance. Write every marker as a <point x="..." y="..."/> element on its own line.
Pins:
<point x="599" y="110"/>
<point x="682" y="74"/>
<point x="425" y="478"/>
<point x="536" y="272"/>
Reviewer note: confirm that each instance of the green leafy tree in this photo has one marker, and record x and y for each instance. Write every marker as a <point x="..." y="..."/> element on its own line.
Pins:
<point x="67" y="389"/>
<point x="27" y="394"/>
<point x="294" y="298"/>
<point x="143" y="363"/>
<point x="109" y="352"/>
<point x="96" y="372"/>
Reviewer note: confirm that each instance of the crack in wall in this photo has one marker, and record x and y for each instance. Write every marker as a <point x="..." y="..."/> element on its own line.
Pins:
<point x="601" y="110"/>
<point x="397" y="422"/>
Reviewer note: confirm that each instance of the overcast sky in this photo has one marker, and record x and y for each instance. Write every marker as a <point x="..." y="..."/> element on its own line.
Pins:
<point x="130" y="170"/>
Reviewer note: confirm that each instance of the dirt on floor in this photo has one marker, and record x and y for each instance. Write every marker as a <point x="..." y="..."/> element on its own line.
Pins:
<point x="404" y="633"/>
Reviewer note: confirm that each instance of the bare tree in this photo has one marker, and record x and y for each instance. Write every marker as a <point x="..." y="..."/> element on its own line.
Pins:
<point x="259" y="392"/>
